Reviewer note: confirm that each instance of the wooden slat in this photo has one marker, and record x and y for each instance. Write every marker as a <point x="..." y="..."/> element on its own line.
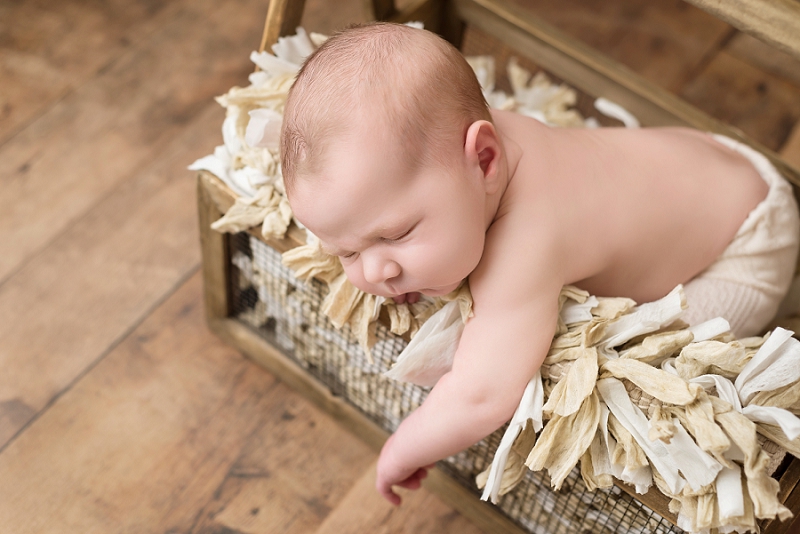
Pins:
<point x="103" y="133"/>
<point x="665" y="42"/>
<point x="776" y="22"/>
<point x="760" y="104"/>
<point x="216" y="255"/>
<point x="452" y="27"/>
<point x="653" y="499"/>
<point x="788" y="494"/>
<point x="379" y="9"/>
<point x="790" y="150"/>
<point x="765" y="57"/>
<point x="283" y="16"/>
<point x="74" y="300"/>
<point x="175" y="432"/>
<point x="595" y="74"/>
<point x="319" y="17"/>
<point x="429" y="12"/>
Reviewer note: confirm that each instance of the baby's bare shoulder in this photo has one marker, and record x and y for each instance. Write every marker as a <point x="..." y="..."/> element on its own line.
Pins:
<point x="520" y="263"/>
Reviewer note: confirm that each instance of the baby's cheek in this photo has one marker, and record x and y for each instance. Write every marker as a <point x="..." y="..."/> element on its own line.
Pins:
<point x="470" y="250"/>
<point x="355" y="275"/>
<point x="352" y="274"/>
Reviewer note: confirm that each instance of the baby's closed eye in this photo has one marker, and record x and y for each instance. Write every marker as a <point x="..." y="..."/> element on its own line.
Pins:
<point x="400" y="236"/>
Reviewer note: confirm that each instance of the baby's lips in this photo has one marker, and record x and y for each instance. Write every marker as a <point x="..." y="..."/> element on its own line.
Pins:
<point x="409" y="298"/>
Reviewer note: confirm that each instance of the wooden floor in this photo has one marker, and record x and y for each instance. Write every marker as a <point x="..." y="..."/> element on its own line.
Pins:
<point x="119" y="411"/>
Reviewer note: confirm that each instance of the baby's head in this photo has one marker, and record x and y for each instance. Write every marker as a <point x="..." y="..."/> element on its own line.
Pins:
<point x="387" y="150"/>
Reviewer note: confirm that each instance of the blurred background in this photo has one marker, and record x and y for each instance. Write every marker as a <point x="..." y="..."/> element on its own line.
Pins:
<point x="119" y="411"/>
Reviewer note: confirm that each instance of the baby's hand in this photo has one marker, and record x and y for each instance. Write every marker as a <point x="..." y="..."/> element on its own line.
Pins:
<point x="390" y="474"/>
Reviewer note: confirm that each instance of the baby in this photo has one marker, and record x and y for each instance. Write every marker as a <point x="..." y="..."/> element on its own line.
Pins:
<point x="392" y="158"/>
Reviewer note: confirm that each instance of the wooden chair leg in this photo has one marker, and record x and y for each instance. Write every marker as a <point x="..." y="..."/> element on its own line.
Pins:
<point x="283" y="16"/>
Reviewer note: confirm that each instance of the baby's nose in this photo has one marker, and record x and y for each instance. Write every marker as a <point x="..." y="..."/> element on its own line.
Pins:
<point x="378" y="270"/>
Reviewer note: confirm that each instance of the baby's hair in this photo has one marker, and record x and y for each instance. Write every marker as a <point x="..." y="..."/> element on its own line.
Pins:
<point x="417" y="83"/>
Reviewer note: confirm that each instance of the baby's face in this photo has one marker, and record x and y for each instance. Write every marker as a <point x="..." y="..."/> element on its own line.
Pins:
<point x="396" y="230"/>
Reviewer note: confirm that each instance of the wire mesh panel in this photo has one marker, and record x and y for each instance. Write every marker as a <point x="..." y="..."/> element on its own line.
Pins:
<point x="286" y="312"/>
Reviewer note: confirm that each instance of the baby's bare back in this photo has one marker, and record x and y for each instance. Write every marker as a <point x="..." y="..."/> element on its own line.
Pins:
<point x="624" y="212"/>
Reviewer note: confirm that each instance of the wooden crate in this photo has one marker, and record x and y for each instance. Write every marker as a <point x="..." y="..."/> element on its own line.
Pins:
<point x="581" y="67"/>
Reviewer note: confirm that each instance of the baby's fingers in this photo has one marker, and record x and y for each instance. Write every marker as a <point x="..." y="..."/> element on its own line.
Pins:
<point x="388" y="494"/>
<point x="414" y="481"/>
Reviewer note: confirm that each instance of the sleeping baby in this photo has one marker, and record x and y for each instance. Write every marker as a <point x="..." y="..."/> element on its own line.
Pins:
<point x="392" y="158"/>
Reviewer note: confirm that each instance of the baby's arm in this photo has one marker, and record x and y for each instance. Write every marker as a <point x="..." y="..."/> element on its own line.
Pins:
<point x="502" y="347"/>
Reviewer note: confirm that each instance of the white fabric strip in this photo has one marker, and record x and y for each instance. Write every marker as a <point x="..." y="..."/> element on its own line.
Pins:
<point x="646" y="318"/>
<point x="530" y="408"/>
<point x="776" y="364"/>
<point x="618" y="401"/>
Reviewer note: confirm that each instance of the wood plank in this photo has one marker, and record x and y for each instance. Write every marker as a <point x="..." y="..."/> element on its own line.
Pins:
<point x="765" y="57"/>
<point x="283" y="17"/>
<point x="364" y="510"/>
<point x="49" y="48"/>
<point x="776" y="22"/>
<point x="175" y="432"/>
<point x="664" y="42"/>
<point x="653" y="499"/>
<point x="379" y="9"/>
<point x="317" y="16"/>
<point x="216" y="255"/>
<point x="788" y="495"/>
<point x="104" y="132"/>
<point x="790" y="151"/>
<point x="429" y="12"/>
<point x="581" y="66"/>
<point x="763" y="106"/>
<point x="482" y="514"/>
<point x="69" y="304"/>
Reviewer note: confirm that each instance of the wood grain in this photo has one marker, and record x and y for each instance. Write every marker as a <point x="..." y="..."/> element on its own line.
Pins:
<point x="763" y="106"/>
<point x="765" y="57"/>
<point x="663" y="41"/>
<point x="790" y="151"/>
<point x="48" y="49"/>
<point x="777" y="22"/>
<point x="175" y="432"/>
<point x="364" y="510"/>
<point x="283" y="17"/>
<point x="486" y="516"/>
<point x="101" y="134"/>
<point x="216" y="255"/>
<point x="70" y="303"/>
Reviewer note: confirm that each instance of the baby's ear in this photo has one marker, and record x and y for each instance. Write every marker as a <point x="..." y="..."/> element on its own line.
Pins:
<point x="482" y="149"/>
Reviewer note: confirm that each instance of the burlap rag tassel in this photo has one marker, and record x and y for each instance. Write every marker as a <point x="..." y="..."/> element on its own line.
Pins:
<point x="559" y="455"/>
<point x="508" y="467"/>
<point x="664" y="425"/>
<point x="310" y="261"/>
<point x="247" y="212"/>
